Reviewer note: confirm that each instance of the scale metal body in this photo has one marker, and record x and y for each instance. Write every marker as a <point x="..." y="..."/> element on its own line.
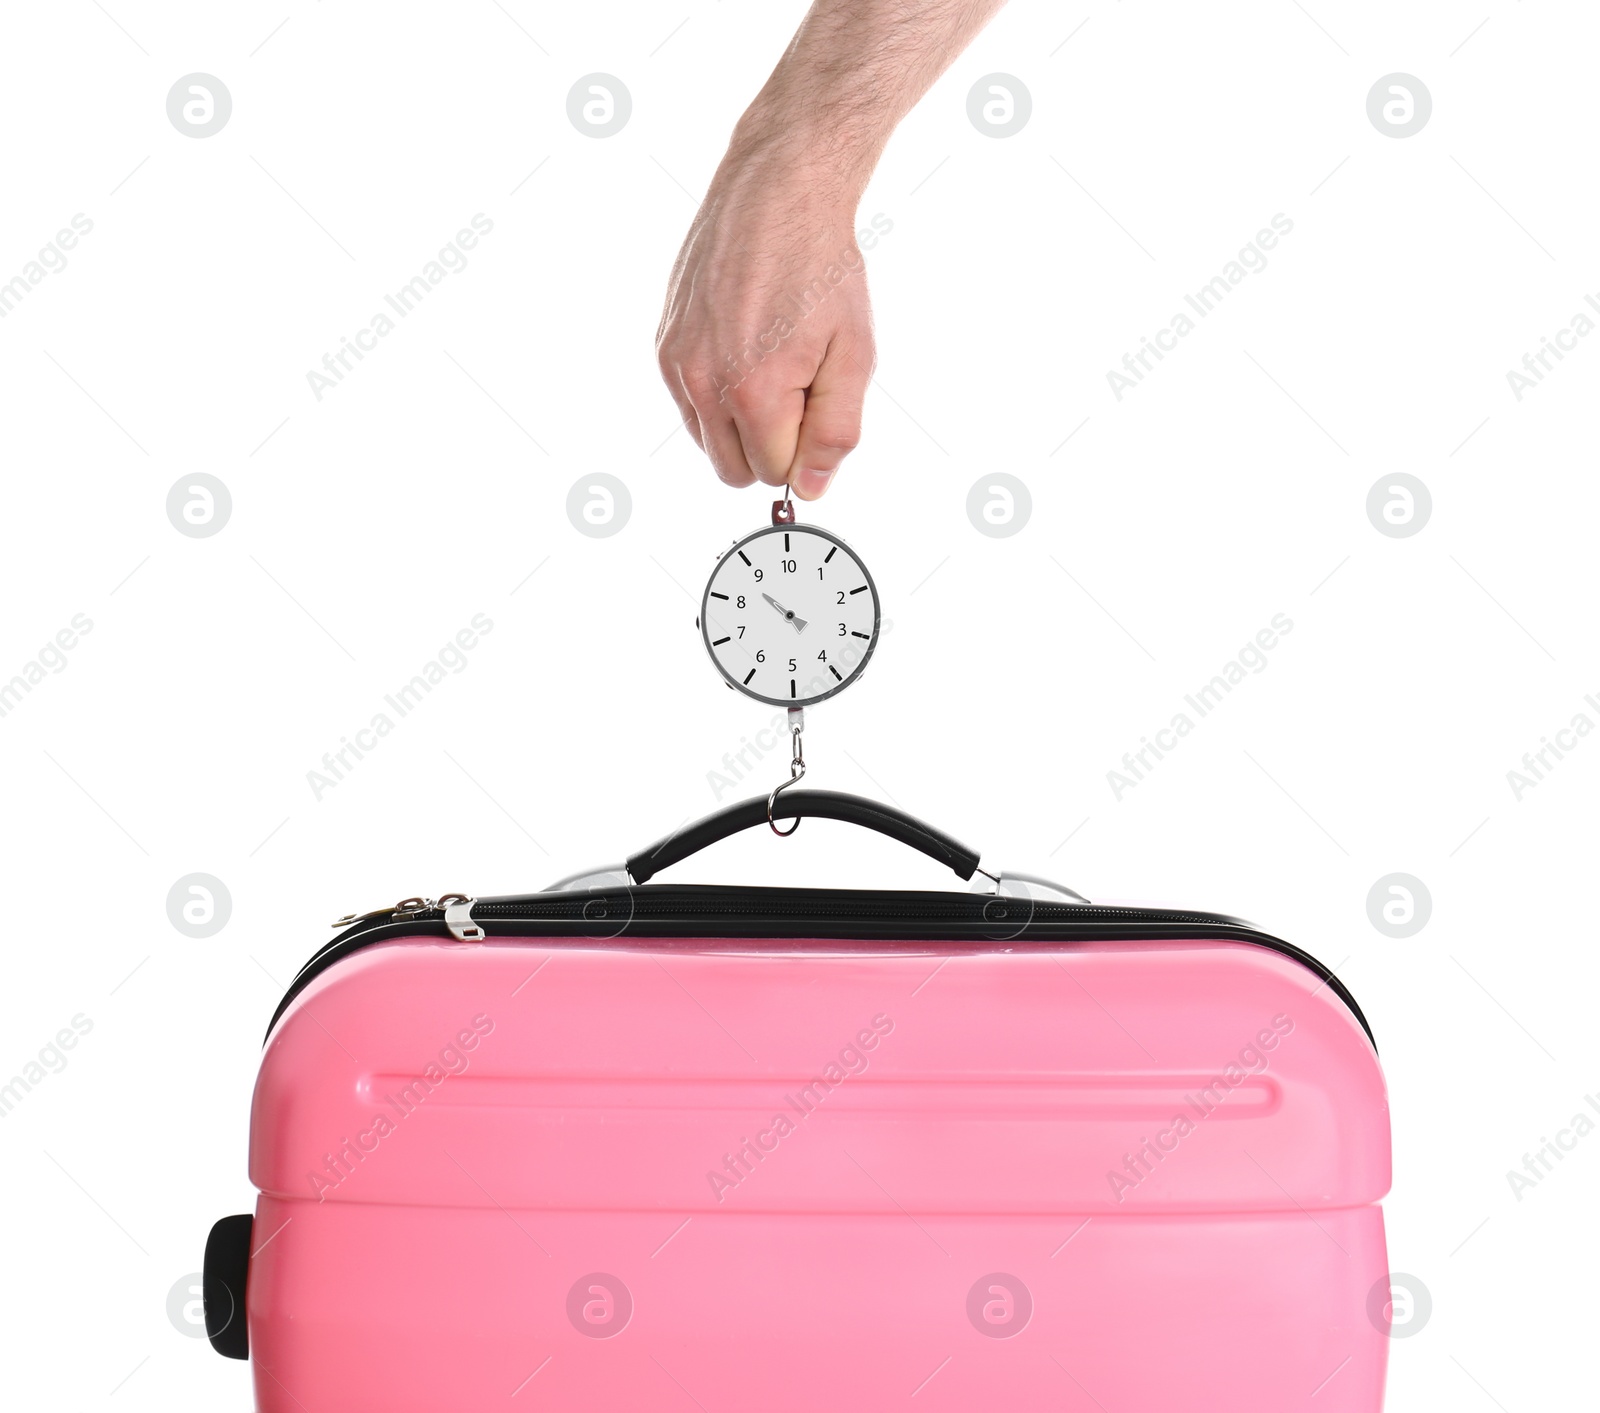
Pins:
<point x="790" y="617"/>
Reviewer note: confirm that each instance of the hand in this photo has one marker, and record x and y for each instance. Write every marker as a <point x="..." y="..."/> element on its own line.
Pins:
<point x="798" y="624"/>
<point x="766" y="342"/>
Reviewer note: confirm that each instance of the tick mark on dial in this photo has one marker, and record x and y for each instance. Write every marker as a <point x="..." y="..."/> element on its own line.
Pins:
<point x="751" y="673"/>
<point x="831" y="553"/>
<point x="860" y="635"/>
<point x="744" y="556"/>
<point x="716" y="595"/>
<point x="791" y="686"/>
<point x="861" y="590"/>
<point x="835" y="671"/>
<point x="720" y="641"/>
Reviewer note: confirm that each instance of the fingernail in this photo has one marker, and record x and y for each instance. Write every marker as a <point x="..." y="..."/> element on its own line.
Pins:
<point x="811" y="483"/>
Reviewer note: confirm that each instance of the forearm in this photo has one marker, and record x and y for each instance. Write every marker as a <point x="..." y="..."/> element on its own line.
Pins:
<point x="854" y="69"/>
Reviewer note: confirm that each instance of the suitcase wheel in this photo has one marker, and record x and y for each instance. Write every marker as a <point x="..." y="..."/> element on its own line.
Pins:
<point x="227" y="1266"/>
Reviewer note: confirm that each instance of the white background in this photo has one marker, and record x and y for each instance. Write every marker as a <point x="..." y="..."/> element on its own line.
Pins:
<point x="369" y="527"/>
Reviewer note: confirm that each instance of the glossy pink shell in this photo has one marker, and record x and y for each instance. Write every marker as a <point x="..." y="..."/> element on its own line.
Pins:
<point x="818" y="1176"/>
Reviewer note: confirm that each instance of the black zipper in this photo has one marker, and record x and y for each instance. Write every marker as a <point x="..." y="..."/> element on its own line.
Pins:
<point x="676" y="912"/>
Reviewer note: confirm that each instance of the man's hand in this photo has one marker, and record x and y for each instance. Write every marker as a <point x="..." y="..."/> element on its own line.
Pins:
<point x="766" y="341"/>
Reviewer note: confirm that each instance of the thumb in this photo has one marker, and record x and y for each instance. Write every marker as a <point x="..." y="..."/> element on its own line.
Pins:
<point x="830" y="426"/>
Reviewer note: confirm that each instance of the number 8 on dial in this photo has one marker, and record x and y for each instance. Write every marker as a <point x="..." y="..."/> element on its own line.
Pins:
<point x="790" y="615"/>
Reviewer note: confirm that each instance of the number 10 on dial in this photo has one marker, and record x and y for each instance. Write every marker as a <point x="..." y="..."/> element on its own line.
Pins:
<point x="790" y="616"/>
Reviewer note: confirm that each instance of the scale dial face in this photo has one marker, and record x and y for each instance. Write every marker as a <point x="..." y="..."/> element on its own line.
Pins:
<point x="790" y="616"/>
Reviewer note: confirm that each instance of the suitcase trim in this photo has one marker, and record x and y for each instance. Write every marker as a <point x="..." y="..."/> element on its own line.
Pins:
<point x="676" y="911"/>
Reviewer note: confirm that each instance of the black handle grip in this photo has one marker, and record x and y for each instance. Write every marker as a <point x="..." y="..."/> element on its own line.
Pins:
<point x="803" y="804"/>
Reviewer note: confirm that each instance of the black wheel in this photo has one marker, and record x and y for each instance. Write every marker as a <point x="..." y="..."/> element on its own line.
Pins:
<point x="227" y="1268"/>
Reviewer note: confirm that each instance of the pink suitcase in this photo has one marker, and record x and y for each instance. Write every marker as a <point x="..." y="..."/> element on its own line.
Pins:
<point x="624" y="1147"/>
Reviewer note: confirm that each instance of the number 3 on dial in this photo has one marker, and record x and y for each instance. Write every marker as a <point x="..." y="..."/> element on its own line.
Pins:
<point x="790" y="616"/>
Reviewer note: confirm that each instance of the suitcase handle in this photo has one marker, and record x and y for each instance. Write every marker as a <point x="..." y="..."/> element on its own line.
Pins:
<point x="803" y="804"/>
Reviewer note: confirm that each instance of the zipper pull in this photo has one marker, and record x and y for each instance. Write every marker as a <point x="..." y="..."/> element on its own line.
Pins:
<point x="458" y="917"/>
<point x="403" y="911"/>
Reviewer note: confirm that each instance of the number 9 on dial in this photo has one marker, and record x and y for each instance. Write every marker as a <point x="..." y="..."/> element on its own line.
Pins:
<point x="790" y="615"/>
